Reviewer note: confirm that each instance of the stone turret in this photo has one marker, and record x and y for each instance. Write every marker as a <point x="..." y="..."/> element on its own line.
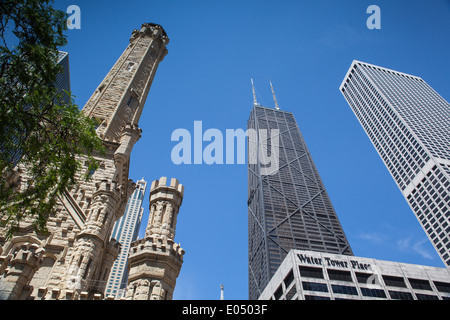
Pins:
<point x="165" y="201"/>
<point x="155" y="261"/>
<point x="91" y="242"/>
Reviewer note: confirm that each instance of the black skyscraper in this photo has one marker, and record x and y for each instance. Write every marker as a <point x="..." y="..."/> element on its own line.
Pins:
<point x="290" y="208"/>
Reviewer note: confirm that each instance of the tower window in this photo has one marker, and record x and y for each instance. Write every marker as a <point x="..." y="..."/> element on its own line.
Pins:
<point x="87" y="269"/>
<point x="130" y="101"/>
<point x="91" y="172"/>
<point x="130" y="66"/>
<point x="98" y="122"/>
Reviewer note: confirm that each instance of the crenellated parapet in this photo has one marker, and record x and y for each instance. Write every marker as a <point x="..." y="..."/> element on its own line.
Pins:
<point x="154" y="265"/>
<point x="156" y="31"/>
<point x="157" y="245"/>
<point x="165" y="201"/>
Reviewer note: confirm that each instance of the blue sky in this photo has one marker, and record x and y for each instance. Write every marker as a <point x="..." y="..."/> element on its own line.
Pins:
<point x="305" y="48"/>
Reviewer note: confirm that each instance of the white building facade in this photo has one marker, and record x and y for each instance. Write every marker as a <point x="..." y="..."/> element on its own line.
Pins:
<point x="409" y="125"/>
<point x="310" y="275"/>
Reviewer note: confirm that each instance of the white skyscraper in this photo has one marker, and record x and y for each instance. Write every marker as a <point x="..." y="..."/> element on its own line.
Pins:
<point x="126" y="230"/>
<point x="409" y="125"/>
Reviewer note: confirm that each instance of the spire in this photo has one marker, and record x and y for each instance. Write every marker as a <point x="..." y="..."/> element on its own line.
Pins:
<point x="221" y="292"/>
<point x="255" y="103"/>
<point x="274" y="97"/>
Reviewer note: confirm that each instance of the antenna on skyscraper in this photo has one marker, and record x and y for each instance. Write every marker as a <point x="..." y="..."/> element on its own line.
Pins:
<point x="274" y="97"/>
<point x="255" y="103"/>
<point x="221" y="292"/>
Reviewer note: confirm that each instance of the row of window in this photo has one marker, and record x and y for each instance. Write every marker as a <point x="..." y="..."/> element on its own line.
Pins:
<point x="427" y="122"/>
<point x="392" y="140"/>
<point x="367" y="278"/>
<point x="375" y="127"/>
<point x="430" y="202"/>
<point x="366" y="292"/>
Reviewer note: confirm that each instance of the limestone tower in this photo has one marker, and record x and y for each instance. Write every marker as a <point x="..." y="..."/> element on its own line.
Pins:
<point x="73" y="261"/>
<point x="155" y="261"/>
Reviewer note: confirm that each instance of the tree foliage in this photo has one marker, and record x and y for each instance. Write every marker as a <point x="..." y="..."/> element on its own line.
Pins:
<point x="39" y="129"/>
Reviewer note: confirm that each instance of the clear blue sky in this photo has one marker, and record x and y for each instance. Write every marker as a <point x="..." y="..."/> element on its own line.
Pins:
<point x="305" y="48"/>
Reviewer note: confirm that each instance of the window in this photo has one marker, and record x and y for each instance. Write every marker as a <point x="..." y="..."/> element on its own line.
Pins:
<point x="394" y="281"/>
<point x="313" y="286"/>
<point x="91" y="172"/>
<point x="400" y="295"/>
<point x="278" y="293"/>
<point x="376" y="293"/>
<point x="367" y="278"/>
<point x="442" y="286"/>
<point x="291" y="293"/>
<point x="98" y="122"/>
<point x="289" y="278"/>
<point x="87" y="269"/>
<point x="426" y="297"/>
<point x="308" y="297"/>
<point x="311" y="272"/>
<point x="420" y="284"/>
<point x="130" y="66"/>
<point x="344" y="289"/>
<point x="340" y="275"/>
<point x="130" y="101"/>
